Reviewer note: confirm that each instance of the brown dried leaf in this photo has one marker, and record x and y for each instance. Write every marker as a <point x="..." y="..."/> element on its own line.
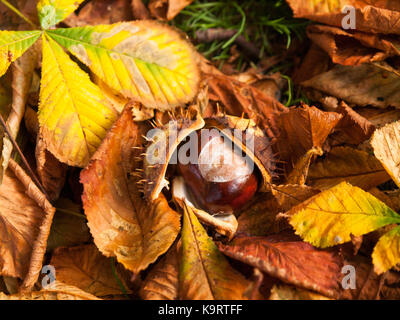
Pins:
<point x="299" y="173"/>
<point x="347" y="164"/>
<point x="284" y="292"/>
<point x="239" y="98"/>
<point x="161" y="283"/>
<point x="51" y="172"/>
<point x="353" y="48"/>
<point x="122" y="224"/>
<point x="87" y="269"/>
<point x="57" y="291"/>
<point x="26" y="219"/>
<point x="377" y="16"/>
<point x="101" y="12"/>
<point x="362" y="85"/>
<point x="291" y="261"/>
<point x="290" y="195"/>
<point x="352" y="128"/>
<point x="167" y="9"/>
<point x="302" y="129"/>
<point x="139" y="10"/>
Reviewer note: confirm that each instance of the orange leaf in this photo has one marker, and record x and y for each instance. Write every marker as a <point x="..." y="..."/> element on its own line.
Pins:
<point x="122" y="224"/>
<point x="291" y="261"/>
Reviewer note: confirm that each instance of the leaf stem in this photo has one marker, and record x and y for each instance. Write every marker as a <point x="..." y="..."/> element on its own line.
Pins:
<point x="19" y="13"/>
<point x="32" y="174"/>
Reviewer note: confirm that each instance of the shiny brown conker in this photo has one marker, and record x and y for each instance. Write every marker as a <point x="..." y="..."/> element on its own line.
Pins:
<point x="223" y="179"/>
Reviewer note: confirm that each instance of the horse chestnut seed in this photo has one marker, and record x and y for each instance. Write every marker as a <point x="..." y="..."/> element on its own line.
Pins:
<point x="223" y="179"/>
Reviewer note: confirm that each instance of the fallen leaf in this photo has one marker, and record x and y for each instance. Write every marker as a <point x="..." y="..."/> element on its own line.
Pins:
<point x="50" y="12"/>
<point x="386" y="253"/>
<point x="330" y="217"/>
<point x="353" y="128"/>
<point x="299" y="173"/>
<point x="357" y="167"/>
<point x="239" y="99"/>
<point x="152" y="63"/>
<point x="101" y="12"/>
<point x="26" y="219"/>
<point x="167" y="9"/>
<point x="51" y="172"/>
<point x="87" y="269"/>
<point x="385" y="142"/>
<point x="140" y="11"/>
<point x="73" y="113"/>
<point x="302" y="129"/>
<point x="57" y="291"/>
<point x="204" y="273"/>
<point x="371" y="15"/>
<point x="161" y="283"/>
<point x="122" y="224"/>
<point x="284" y="292"/>
<point x="290" y="260"/>
<point x="362" y="85"/>
<point x="353" y="48"/>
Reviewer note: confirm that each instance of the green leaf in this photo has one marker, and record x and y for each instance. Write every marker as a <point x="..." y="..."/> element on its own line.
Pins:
<point x="13" y="44"/>
<point x="143" y="60"/>
<point x="387" y="251"/>
<point x="330" y="217"/>
<point x="52" y="12"/>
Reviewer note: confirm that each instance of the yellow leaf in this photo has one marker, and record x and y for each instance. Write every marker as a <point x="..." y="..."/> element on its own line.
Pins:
<point x="204" y="273"/>
<point x="143" y="60"/>
<point x="386" y="253"/>
<point x="386" y="144"/>
<point x="73" y="113"/>
<point x="330" y="217"/>
<point x="53" y="11"/>
<point x="13" y="44"/>
<point x="357" y="167"/>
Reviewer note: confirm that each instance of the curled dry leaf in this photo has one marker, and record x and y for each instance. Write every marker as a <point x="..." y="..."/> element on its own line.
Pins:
<point x="51" y="172"/>
<point x="121" y="222"/>
<point x="239" y="98"/>
<point x="353" y="48"/>
<point x="204" y="273"/>
<point x="140" y="11"/>
<point x="57" y="291"/>
<point x="352" y="128"/>
<point x="386" y="144"/>
<point x="26" y="219"/>
<point x="357" y="167"/>
<point x="362" y="85"/>
<point x="87" y="269"/>
<point x="299" y="173"/>
<point x="283" y="292"/>
<point x="161" y="283"/>
<point x="167" y="9"/>
<point x="303" y="129"/>
<point x="372" y="16"/>
<point x="290" y="260"/>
